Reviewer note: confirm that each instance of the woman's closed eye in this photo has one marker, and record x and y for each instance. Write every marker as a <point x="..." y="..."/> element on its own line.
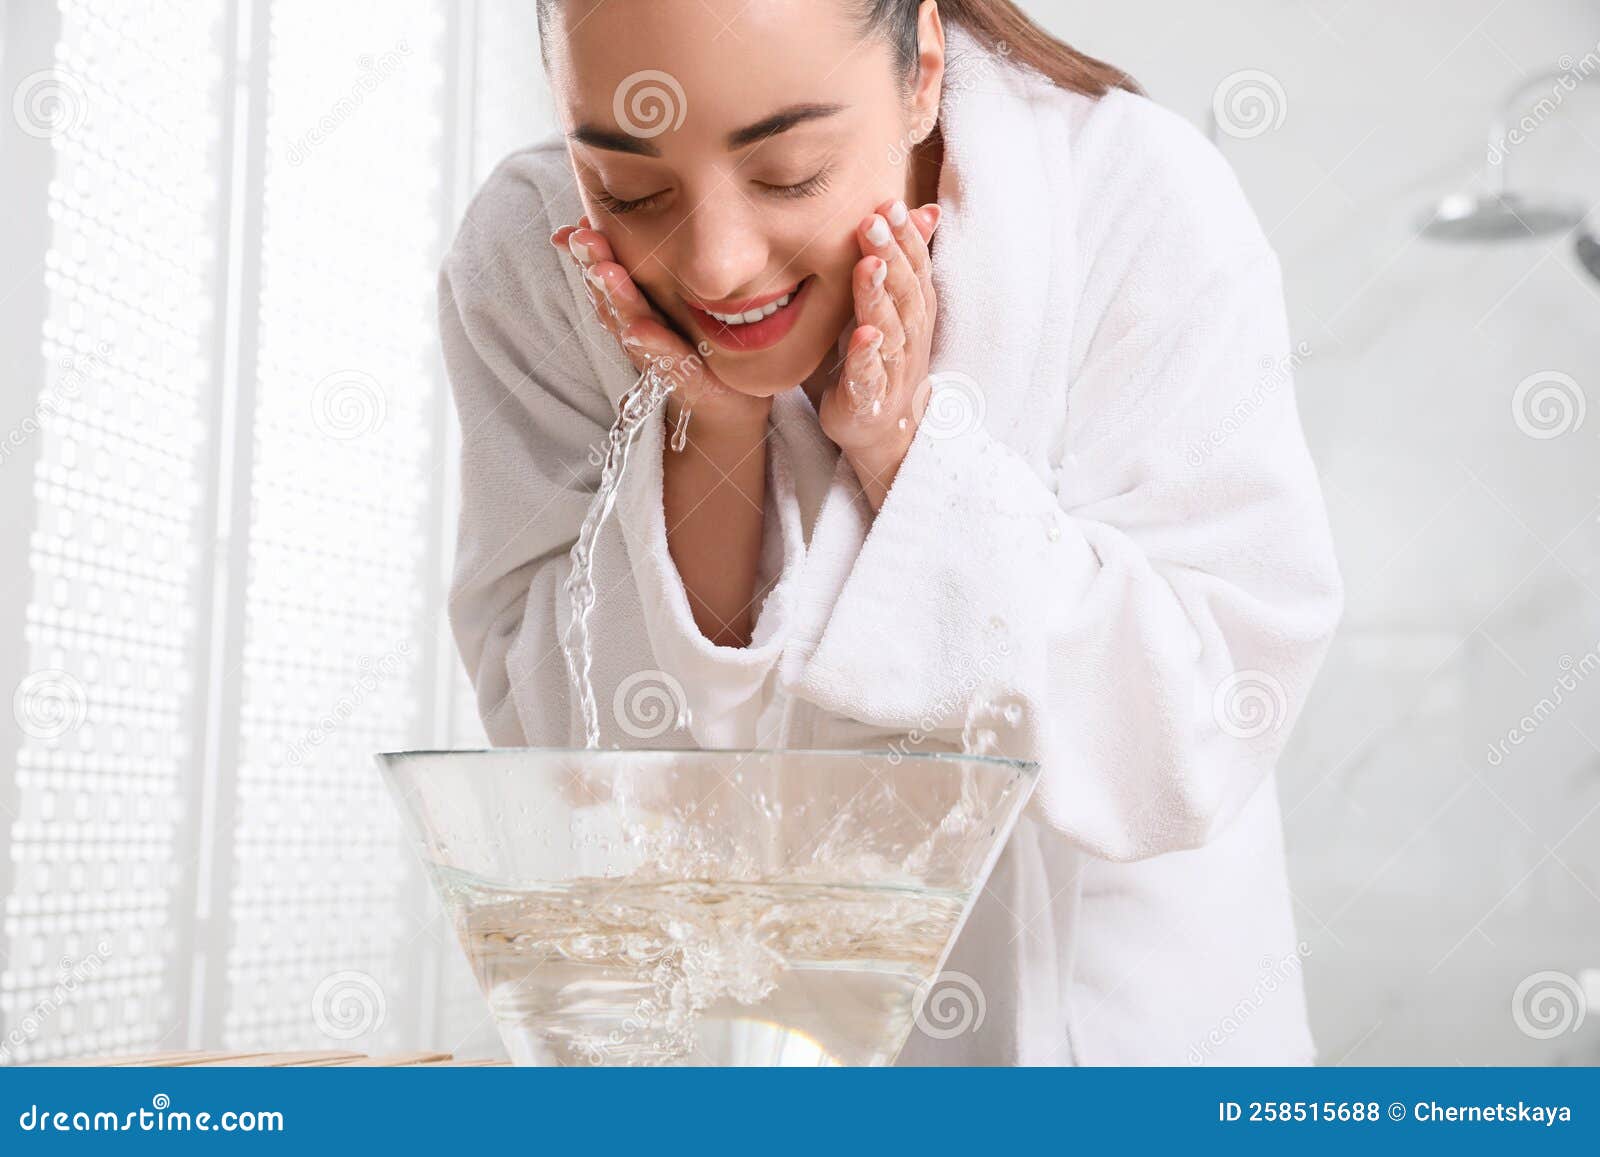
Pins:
<point x="811" y="187"/>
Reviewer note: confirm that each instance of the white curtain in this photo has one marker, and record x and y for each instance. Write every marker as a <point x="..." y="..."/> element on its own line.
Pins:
<point x="227" y="472"/>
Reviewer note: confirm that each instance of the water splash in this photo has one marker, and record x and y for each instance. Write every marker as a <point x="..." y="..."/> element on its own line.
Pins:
<point x="637" y="405"/>
<point x="680" y="432"/>
<point x="987" y="707"/>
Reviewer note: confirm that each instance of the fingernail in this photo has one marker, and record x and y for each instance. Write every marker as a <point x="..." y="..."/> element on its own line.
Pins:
<point x="880" y="274"/>
<point x="899" y="214"/>
<point x="878" y="231"/>
<point x="580" y="251"/>
<point x="936" y="213"/>
<point x="555" y="238"/>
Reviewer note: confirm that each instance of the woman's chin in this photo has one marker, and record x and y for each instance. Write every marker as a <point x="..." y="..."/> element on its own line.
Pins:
<point x="765" y="383"/>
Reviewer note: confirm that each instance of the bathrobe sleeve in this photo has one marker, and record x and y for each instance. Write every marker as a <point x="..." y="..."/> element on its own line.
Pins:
<point x="1147" y="612"/>
<point x="529" y="374"/>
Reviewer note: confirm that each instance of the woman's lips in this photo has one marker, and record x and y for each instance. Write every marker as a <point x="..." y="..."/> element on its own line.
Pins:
<point x="759" y="335"/>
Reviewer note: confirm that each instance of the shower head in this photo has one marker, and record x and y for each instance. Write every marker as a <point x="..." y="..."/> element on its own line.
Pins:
<point x="1498" y="213"/>
<point x="1498" y="217"/>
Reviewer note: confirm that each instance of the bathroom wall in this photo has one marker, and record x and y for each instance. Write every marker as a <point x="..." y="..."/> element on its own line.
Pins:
<point x="1448" y="891"/>
<point x="1442" y="793"/>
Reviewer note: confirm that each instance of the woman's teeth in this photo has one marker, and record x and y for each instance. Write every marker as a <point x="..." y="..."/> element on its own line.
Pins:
<point x="753" y="315"/>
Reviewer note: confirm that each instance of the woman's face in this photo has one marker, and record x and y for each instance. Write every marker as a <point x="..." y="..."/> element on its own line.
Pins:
<point x="728" y="151"/>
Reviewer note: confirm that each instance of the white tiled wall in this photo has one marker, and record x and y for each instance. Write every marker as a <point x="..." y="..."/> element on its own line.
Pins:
<point x="1433" y="879"/>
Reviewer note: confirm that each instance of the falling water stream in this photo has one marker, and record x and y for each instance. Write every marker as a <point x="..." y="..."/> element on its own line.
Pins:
<point x="636" y="407"/>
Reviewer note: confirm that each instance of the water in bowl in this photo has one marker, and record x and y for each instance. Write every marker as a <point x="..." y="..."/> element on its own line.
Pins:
<point x="699" y="972"/>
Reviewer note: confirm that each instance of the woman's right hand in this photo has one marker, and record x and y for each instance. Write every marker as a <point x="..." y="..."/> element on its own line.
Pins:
<point x="645" y="335"/>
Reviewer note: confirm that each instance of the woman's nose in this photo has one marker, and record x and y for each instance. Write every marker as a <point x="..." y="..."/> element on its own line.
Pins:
<point x="721" y="251"/>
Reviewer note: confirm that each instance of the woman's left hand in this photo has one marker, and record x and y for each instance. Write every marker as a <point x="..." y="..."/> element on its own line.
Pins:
<point x="873" y="410"/>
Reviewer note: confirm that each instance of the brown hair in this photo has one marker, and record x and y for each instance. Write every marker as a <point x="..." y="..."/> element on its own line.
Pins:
<point x="997" y="24"/>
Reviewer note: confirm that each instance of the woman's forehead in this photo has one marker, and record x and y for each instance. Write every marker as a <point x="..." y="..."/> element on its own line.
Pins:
<point x="713" y="66"/>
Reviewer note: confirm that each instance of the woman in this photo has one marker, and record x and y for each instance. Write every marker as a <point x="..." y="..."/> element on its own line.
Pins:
<point x="1043" y="454"/>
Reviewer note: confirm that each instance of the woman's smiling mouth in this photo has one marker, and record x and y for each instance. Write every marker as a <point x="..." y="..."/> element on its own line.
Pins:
<point x="758" y="324"/>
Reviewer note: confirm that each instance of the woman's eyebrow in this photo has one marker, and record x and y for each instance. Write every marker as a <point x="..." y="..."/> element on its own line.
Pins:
<point x="770" y="126"/>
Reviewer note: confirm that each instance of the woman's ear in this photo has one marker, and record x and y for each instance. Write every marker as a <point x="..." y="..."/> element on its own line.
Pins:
<point x="930" y="68"/>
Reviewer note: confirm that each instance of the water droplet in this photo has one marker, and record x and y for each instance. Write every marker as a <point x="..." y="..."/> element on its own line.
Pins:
<point x="1013" y="713"/>
<point x="901" y="424"/>
<point x="680" y="432"/>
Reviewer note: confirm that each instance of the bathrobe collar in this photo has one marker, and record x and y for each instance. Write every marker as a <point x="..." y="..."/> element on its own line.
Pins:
<point x="991" y="173"/>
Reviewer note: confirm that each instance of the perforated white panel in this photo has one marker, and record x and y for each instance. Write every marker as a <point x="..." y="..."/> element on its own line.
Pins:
<point x="202" y="852"/>
<point x="106" y="709"/>
<point x="327" y="928"/>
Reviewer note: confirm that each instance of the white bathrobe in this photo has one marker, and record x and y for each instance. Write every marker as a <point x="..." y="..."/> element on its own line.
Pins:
<point x="1108" y="521"/>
